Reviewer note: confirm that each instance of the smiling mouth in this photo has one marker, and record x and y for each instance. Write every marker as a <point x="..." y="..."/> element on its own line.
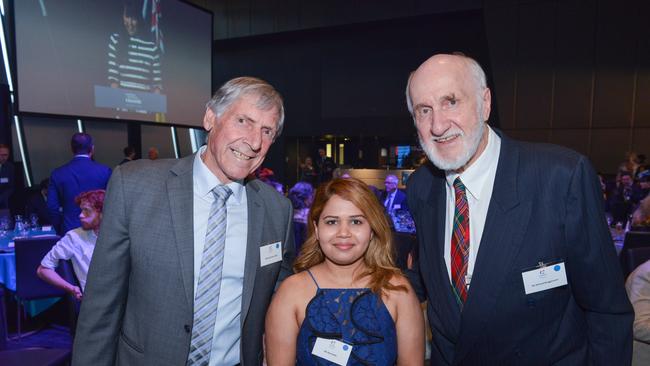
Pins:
<point x="343" y="246"/>
<point x="446" y="139"/>
<point x="239" y="155"/>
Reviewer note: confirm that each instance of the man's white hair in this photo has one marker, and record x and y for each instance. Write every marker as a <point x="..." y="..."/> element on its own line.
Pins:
<point x="477" y="74"/>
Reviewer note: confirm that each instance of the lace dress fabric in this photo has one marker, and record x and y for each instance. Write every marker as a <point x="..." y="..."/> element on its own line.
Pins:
<point x="355" y="316"/>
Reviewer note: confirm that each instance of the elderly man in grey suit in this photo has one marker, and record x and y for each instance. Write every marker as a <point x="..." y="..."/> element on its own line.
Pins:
<point x="190" y="250"/>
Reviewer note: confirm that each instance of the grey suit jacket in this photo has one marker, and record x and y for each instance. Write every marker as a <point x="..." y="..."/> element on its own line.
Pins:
<point x="138" y="305"/>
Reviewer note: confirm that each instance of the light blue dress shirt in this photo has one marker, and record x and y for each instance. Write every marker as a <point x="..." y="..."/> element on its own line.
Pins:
<point x="227" y="328"/>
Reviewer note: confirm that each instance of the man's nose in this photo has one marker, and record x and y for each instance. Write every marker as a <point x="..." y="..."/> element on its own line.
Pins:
<point x="254" y="140"/>
<point x="439" y="124"/>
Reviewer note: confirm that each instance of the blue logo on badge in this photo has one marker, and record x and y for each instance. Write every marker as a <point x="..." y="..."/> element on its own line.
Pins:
<point x="277" y="245"/>
<point x="557" y="267"/>
<point x="345" y="347"/>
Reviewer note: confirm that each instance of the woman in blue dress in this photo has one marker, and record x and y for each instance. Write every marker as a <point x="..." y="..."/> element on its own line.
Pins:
<point x="347" y="304"/>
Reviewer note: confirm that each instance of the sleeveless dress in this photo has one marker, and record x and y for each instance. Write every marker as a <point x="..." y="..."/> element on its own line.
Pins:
<point x="355" y="316"/>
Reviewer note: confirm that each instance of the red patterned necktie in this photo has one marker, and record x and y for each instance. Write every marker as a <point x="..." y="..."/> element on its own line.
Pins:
<point x="460" y="243"/>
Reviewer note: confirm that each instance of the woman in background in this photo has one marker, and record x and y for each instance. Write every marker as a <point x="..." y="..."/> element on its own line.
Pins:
<point x="347" y="301"/>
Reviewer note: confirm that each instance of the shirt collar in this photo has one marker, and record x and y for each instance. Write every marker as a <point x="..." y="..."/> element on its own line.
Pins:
<point x="475" y="176"/>
<point x="82" y="156"/>
<point x="205" y="180"/>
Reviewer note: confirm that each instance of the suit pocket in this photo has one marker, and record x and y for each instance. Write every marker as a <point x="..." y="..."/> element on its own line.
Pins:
<point x="128" y="353"/>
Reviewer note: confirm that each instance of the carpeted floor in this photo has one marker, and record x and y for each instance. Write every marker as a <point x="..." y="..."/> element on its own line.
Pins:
<point x="54" y="336"/>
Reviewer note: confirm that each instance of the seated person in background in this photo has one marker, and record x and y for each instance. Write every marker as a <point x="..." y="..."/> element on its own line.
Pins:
<point x="622" y="200"/>
<point x="77" y="244"/>
<point x="638" y="289"/>
<point x="308" y="172"/>
<point x="37" y="203"/>
<point x="346" y="291"/>
<point x="641" y="216"/>
<point x="301" y="196"/>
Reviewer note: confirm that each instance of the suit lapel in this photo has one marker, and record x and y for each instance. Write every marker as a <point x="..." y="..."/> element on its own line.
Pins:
<point x="507" y="219"/>
<point x="180" y="194"/>
<point x="432" y="253"/>
<point x="256" y="214"/>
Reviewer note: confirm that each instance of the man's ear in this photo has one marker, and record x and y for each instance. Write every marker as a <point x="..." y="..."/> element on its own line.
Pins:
<point x="209" y="120"/>
<point x="487" y="104"/>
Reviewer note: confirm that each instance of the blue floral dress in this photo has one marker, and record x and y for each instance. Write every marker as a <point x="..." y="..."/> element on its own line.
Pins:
<point x="355" y="316"/>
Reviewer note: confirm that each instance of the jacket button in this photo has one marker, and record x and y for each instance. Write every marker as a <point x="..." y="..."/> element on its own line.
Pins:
<point x="187" y="328"/>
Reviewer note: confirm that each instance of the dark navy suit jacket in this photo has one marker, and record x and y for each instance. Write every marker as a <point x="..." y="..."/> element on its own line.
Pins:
<point x="546" y="206"/>
<point x="7" y="183"/>
<point x="79" y="175"/>
<point x="399" y="201"/>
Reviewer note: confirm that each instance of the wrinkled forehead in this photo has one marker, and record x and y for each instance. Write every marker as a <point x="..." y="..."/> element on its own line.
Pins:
<point x="437" y="78"/>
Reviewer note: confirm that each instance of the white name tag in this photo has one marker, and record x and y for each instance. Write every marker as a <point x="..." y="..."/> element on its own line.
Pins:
<point x="4" y="180"/>
<point x="544" y="278"/>
<point x="397" y="207"/>
<point x="332" y="350"/>
<point x="270" y="253"/>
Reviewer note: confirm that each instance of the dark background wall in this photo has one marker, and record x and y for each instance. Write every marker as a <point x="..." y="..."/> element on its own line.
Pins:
<point x="572" y="72"/>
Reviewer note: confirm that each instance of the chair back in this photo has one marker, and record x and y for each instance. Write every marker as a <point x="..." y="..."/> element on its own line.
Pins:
<point x="4" y="333"/>
<point x="404" y="245"/>
<point x="636" y="257"/>
<point x="29" y="253"/>
<point x="636" y="239"/>
<point x="633" y="245"/>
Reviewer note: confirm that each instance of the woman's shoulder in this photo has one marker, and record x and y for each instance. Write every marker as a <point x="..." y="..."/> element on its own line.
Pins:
<point x="298" y="282"/>
<point x="403" y="289"/>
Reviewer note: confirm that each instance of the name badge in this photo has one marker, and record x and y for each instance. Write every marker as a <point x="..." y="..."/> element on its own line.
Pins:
<point x="332" y="350"/>
<point x="397" y="207"/>
<point x="4" y="180"/>
<point x="544" y="277"/>
<point x="270" y="253"/>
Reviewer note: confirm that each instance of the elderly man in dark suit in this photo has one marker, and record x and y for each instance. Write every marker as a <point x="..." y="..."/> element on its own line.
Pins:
<point x="81" y="174"/>
<point x="392" y="198"/>
<point x="515" y="256"/>
<point x="190" y="250"/>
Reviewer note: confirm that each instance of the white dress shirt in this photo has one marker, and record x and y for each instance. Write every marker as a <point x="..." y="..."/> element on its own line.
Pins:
<point x="388" y="203"/>
<point x="78" y="246"/>
<point x="227" y="328"/>
<point x="479" y="182"/>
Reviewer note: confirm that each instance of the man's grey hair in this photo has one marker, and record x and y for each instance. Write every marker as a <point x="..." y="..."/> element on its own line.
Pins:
<point x="228" y="93"/>
<point x="477" y="73"/>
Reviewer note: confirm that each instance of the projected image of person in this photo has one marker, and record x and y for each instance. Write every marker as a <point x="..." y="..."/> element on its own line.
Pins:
<point x="134" y="61"/>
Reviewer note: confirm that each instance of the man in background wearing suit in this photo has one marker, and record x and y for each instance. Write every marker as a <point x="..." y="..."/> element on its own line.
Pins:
<point x="392" y="198"/>
<point x="515" y="255"/>
<point x="7" y="177"/>
<point x="189" y="250"/>
<point x="129" y="155"/>
<point x="80" y="174"/>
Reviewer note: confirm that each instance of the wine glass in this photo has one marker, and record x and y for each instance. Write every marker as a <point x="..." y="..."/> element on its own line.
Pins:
<point x="33" y="219"/>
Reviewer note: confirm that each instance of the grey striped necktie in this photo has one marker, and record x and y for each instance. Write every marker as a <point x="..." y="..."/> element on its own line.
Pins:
<point x="209" y="286"/>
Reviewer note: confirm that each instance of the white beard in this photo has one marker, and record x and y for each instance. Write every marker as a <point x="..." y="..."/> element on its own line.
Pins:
<point x="470" y="145"/>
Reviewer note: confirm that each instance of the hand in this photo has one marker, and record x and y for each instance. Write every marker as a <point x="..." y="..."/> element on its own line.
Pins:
<point x="75" y="291"/>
